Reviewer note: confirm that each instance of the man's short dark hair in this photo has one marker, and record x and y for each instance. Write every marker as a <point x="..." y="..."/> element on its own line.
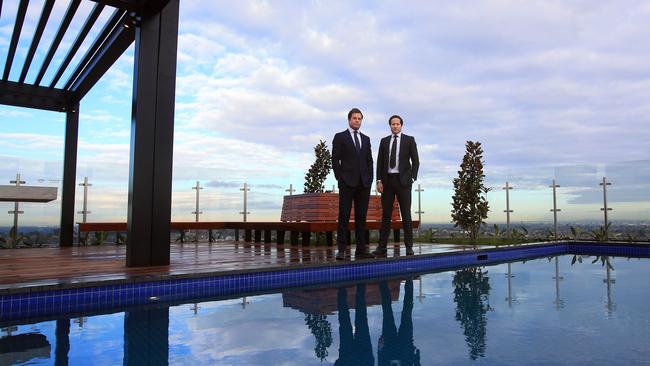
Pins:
<point x="353" y="111"/>
<point x="401" y="121"/>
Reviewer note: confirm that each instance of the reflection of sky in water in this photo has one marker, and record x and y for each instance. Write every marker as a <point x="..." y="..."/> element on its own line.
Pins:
<point x="459" y="317"/>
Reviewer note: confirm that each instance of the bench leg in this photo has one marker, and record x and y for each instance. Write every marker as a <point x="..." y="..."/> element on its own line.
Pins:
<point x="211" y="238"/>
<point x="267" y="236"/>
<point x="396" y="235"/>
<point x="236" y="234"/>
<point x="279" y="240"/>
<point x="306" y="255"/>
<point x="247" y="235"/>
<point x="329" y="238"/>
<point x="306" y="237"/>
<point x="258" y="236"/>
<point x="294" y="237"/>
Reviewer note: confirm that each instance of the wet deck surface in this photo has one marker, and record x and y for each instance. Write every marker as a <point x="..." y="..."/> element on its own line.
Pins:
<point x="35" y="267"/>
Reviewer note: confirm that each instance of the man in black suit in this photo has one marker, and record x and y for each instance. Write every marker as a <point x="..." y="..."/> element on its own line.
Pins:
<point x="397" y="169"/>
<point x="355" y="346"/>
<point x="352" y="164"/>
<point x="395" y="346"/>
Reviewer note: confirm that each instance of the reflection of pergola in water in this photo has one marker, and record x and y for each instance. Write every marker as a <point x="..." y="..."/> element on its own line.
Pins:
<point x="153" y="26"/>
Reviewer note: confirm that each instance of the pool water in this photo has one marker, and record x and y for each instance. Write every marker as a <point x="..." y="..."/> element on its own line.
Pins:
<point x="553" y="311"/>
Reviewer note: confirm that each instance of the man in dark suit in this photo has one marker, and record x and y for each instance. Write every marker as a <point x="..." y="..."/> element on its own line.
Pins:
<point x="355" y="347"/>
<point x="397" y="169"/>
<point x="352" y="164"/>
<point x="395" y="346"/>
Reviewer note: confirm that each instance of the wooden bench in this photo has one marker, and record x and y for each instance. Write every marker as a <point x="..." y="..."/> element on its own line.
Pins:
<point x="302" y="215"/>
<point x="321" y="211"/>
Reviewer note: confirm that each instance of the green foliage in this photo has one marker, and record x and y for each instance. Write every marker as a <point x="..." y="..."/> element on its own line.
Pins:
<point x="576" y="258"/>
<point x="83" y="239"/>
<point x="425" y="236"/>
<point x="602" y="233"/>
<point x="100" y="237"/>
<point x="13" y="234"/>
<point x="470" y="207"/>
<point x="35" y="240"/>
<point x="576" y="232"/>
<point x="471" y="295"/>
<point x="181" y="236"/>
<point x="496" y="231"/>
<point x="603" y="259"/>
<point x="550" y="235"/>
<point x="318" y="171"/>
<point x="321" y="328"/>
<point x="522" y="233"/>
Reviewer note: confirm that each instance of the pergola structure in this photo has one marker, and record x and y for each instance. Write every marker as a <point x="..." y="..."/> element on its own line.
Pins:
<point x="153" y="26"/>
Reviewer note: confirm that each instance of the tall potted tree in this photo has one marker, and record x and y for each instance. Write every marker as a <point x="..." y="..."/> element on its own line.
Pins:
<point x="470" y="207"/>
<point x="319" y="170"/>
<point x="314" y="204"/>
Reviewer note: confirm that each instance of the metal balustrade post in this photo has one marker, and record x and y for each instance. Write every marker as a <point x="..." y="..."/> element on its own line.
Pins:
<point x="558" y="302"/>
<point x="508" y="210"/>
<point x="509" y="275"/>
<point x="290" y="190"/>
<point x="555" y="210"/>
<point x="84" y="212"/>
<point x="420" y="295"/>
<point x="245" y="212"/>
<point x="16" y="211"/>
<point x="605" y="183"/>
<point x="197" y="212"/>
<point x="419" y="211"/>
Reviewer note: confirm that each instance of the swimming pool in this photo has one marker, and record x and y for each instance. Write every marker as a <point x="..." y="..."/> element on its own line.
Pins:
<point x="546" y="311"/>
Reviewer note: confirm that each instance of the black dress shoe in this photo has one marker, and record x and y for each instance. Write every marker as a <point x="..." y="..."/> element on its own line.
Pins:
<point x="380" y="251"/>
<point x="340" y="256"/>
<point x="409" y="251"/>
<point x="363" y="255"/>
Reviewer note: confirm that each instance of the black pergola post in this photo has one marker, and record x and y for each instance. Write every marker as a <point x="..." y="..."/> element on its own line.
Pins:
<point x="146" y="337"/>
<point x="69" y="176"/>
<point x="152" y="135"/>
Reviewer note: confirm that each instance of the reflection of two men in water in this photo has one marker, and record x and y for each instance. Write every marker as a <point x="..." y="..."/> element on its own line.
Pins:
<point x="395" y="344"/>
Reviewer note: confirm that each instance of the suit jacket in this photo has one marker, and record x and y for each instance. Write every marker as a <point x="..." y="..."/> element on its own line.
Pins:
<point x="349" y="165"/>
<point x="409" y="162"/>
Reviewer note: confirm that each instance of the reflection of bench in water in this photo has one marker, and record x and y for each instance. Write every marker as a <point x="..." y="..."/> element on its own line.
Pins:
<point x="21" y="348"/>
<point x="301" y="215"/>
<point x="324" y="301"/>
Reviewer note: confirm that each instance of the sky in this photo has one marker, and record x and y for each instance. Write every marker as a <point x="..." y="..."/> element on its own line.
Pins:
<point x="552" y="89"/>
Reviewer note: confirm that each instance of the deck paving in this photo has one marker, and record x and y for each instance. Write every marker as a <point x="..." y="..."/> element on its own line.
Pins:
<point x="31" y="268"/>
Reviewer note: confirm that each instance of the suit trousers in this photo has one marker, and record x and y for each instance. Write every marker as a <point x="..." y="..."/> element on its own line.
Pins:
<point x="360" y="195"/>
<point x="392" y="188"/>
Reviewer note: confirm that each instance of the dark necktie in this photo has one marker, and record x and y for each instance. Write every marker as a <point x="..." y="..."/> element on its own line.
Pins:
<point x="393" y="153"/>
<point x="356" y="141"/>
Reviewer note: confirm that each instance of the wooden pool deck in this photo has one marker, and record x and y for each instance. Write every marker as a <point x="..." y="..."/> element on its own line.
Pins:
<point x="33" y="268"/>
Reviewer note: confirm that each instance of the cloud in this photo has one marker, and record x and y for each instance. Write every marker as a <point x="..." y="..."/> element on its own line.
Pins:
<point x="220" y="184"/>
<point x="541" y="85"/>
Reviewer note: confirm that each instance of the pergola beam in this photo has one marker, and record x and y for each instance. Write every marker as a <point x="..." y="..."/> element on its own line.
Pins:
<point x="117" y="17"/>
<point x="69" y="14"/>
<point x="30" y="96"/>
<point x="20" y="19"/>
<point x="45" y="15"/>
<point x="120" y="38"/>
<point x="92" y="18"/>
